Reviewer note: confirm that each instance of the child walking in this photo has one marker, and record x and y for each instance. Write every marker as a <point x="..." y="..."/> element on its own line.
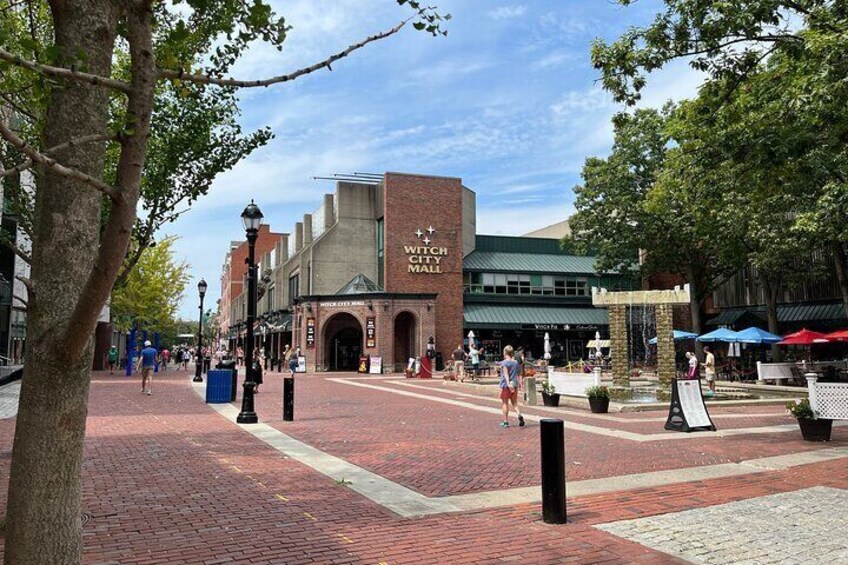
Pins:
<point x="509" y="386"/>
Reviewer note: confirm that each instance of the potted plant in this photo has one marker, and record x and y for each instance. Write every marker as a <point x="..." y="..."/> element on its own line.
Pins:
<point x="549" y="394"/>
<point x="812" y="428"/>
<point x="599" y="398"/>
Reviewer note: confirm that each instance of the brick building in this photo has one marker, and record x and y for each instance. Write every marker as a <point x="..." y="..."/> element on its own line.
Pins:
<point x="390" y="260"/>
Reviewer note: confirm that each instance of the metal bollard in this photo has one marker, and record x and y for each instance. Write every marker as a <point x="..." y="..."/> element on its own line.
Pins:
<point x="553" y="471"/>
<point x="288" y="399"/>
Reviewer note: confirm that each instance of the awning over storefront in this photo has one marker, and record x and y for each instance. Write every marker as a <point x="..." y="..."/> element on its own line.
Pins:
<point x="528" y="317"/>
<point x="528" y="263"/>
<point x="787" y="313"/>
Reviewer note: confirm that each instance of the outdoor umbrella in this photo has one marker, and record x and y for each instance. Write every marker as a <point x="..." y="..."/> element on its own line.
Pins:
<point x="804" y="337"/>
<point x="598" y="344"/>
<point x="721" y="334"/>
<point x="758" y="336"/>
<point x="841" y="335"/>
<point x="547" y="346"/>
<point x="678" y="335"/>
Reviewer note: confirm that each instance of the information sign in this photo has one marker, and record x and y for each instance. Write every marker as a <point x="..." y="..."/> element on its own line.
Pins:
<point x="688" y="412"/>
<point x="371" y="332"/>
<point x="363" y="364"/>
<point x="310" y="332"/>
<point x="301" y="365"/>
<point x="376" y="366"/>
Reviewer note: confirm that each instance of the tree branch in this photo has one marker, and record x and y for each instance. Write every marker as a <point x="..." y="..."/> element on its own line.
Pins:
<point x="326" y="63"/>
<point x="27" y="283"/>
<point x="21" y="300"/>
<point x="68" y="172"/>
<point x="26" y="257"/>
<point x="72" y="143"/>
<point x="61" y="72"/>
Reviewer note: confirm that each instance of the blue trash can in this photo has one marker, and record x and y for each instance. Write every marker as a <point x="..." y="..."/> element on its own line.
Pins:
<point x="219" y="385"/>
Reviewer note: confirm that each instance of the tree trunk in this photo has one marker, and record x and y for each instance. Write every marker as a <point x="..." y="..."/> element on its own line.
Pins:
<point x="43" y="515"/>
<point x="841" y="263"/>
<point x="772" y="291"/>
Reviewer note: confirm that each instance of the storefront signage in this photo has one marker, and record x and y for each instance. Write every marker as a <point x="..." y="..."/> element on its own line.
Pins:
<point x="344" y="304"/>
<point x="363" y="364"/>
<point x="425" y="258"/>
<point x="371" y="332"/>
<point x="310" y="332"/>
<point x="376" y="366"/>
<point x="545" y="327"/>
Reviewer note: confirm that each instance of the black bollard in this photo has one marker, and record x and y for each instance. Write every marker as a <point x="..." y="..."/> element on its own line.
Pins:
<point x="288" y="399"/>
<point x="553" y="471"/>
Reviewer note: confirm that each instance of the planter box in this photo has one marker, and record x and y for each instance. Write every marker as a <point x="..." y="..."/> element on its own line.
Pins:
<point x="599" y="405"/>
<point x="550" y="399"/>
<point x="815" y="430"/>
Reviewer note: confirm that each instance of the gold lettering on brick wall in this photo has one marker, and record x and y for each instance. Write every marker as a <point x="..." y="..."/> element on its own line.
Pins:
<point x="425" y="258"/>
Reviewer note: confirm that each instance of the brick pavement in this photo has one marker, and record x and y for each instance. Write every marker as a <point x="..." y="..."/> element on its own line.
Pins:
<point x="167" y="480"/>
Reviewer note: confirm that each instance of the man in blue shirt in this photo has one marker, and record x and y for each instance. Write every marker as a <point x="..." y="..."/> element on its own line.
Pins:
<point x="146" y="362"/>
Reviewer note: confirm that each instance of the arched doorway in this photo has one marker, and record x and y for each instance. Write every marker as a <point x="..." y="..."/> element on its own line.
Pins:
<point x="342" y="343"/>
<point x="405" y="339"/>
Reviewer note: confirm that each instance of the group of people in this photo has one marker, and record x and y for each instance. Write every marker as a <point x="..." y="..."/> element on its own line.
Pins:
<point x="181" y="355"/>
<point x="708" y="365"/>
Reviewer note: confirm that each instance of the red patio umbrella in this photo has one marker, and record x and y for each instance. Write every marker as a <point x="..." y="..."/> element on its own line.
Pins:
<point x="804" y="337"/>
<point x="841" y="335"/>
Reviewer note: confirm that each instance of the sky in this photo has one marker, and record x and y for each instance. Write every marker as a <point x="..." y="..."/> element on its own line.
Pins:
<point x="508" y="101"/>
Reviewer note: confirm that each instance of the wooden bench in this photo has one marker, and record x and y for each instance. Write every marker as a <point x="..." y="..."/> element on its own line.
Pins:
<point x="829" y="401"/>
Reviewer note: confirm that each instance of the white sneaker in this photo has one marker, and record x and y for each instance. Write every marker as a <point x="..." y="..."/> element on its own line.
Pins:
<point x="149" y="393"/>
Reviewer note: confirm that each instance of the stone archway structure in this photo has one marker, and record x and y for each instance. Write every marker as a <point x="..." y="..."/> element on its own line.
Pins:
<point x="617" y="304"/>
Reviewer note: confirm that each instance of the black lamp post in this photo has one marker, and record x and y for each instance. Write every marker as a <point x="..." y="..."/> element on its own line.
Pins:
<point x="201" y="289"/>
<point x="252" y="219"/>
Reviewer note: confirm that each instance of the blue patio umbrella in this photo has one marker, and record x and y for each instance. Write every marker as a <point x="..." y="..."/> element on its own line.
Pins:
<point x="756" y="335"/>
<point x="678" y="336"/>
<point x="721" y="334"/>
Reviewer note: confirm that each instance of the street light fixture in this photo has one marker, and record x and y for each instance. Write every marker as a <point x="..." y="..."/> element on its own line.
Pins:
<point x="201" y="289"/>
<point x="252" y="220"/>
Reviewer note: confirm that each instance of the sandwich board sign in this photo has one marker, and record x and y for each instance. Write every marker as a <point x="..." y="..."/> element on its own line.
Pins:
<point x="688" y="411"/>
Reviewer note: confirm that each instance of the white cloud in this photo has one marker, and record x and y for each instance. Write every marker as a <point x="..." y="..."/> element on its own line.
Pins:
<point x="507" y="12"/>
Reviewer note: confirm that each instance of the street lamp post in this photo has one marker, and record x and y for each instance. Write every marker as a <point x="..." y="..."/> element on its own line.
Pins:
<point x="201" y="289"/>
<point x="252" y="219"/>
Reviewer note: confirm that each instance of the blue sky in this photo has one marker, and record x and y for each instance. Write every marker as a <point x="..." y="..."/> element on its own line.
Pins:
<point x="508" y="101"/>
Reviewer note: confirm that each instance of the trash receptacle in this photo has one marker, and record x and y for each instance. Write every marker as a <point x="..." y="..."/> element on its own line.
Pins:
<point x="440" y="363"/>
<point x="219" y="385"/>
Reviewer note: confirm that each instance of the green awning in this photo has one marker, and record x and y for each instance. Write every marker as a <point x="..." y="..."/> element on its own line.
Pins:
<point x="496" y="316"/>
<point x="786" y="313"/>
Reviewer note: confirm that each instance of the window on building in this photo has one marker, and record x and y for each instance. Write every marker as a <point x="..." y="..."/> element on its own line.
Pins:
<point x="294" y="287"/>
<point x="520" y="284"/>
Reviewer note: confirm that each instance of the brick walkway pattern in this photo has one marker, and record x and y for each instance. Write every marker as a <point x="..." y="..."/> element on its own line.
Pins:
<point x="168" y="480"/>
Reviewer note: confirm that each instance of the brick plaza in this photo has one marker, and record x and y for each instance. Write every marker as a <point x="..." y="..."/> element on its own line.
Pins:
<point x="385" y="470"/>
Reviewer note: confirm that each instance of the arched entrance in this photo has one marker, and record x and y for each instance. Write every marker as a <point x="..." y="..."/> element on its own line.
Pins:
<point x="405" y="339"/>
<point x="342" y="343"/>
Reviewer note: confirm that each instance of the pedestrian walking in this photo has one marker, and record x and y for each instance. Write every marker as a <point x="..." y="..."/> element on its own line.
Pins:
<point x="257" y="370"/>
<point x="147" y="362"/>
<point x="166" y="358"/>
<point x="113" y="359"/>
<point x="474" y="354"/>
<point x="293" y="361"/>
<point x="240" y="356"/>
<point x="509" y="384"/>
<point x="519" y="358"/>
<point x="709" y="370"/>
<point x="186" y="358"/>
<point x="458" y="357"/>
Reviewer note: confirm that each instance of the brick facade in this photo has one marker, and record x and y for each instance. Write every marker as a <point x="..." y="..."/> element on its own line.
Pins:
<point x="413" y="203"/>
<point x="385" y="308"/>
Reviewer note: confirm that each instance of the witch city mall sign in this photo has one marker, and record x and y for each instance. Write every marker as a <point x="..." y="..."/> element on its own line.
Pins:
<point x="426" y="258"/>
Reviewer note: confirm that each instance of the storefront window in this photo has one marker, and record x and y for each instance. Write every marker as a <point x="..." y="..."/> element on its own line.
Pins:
<point x="294" y="287"/>
<point x="518" y="284"/>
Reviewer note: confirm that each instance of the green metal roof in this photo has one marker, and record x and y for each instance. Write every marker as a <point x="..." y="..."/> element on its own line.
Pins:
<point x="528" y="263"/>
<point x="505" y="316"/>
<point x="786" y="313"/>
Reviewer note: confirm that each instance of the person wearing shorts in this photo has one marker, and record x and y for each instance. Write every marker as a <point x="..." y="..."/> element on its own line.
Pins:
<point x="474" y="354"/>
<point x="147" y="362"/>
<point x="509" y="372"/>
<point x="709" y="370"/>
<point x="458" y="357"/>
<point x="293" y="361"/>
<point x="113" y="359"/>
